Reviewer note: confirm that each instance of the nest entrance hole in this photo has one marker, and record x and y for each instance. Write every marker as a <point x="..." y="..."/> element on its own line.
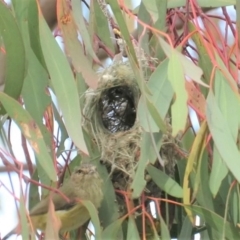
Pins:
<point x="117" y="109"/>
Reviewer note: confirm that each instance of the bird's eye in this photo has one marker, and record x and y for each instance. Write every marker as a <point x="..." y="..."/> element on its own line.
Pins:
<point x="79" y="171"/>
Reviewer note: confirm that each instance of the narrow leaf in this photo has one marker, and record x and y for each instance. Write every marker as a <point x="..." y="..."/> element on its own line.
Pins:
<point x="23" y="219"/>
<point x="112" y="231"/>
<point x="53" y="222"/>
<point x="186" y="230"/>
<point x="132" y="231"/>
<point x="179" y="108"/>
<point x="102" y="26"/>
<point x="15" y="57"/>
<point x="190" y="69"/>
<point x="109" y="210"/>
<point x="148" y="155"/>
<point x="164" y="230"/>
<point x="77" y="12"/>
<point x="73" y="46"/>
<point x="195" y="151"/>
<point x="123" y="28"/>
<point x="216" y="222"/>
<point x="218" y="173"/>
<point x="94" y="217"/>
<point x="31" y="132"/>
<point x="222" y="136"/>
<point x="64" y="85"/>
<point x="164" y="182"/>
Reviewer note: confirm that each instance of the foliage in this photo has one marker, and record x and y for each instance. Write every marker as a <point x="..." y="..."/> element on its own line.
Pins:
<point x="192" y="65"/>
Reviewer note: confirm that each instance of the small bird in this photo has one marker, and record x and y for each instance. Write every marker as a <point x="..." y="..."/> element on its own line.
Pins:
<point x="84" y="184"/>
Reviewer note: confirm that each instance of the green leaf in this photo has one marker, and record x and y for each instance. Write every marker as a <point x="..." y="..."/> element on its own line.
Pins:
<point x="200" y="181"/>
<point x="145" y="17"/>
<point x="33" y="198"/>
<point x="155" y="115"/>
<point x="165" y="182"/>
<point x="102" y="26"/>
<point x="204" y="59"/>
<point x="161" y="89"/>
<point x="146" y="120"/>
<point x="162" y="12"/>
<point x="109" y="210"/>
<point x="132" y="231"/>
<point x="164" y="230"/>
<point x="112" y="231"/>
<point x="33" y="28"/>
<point x="148" y="154"/>
<point x="36" y="81"/>
<point x="234" y="205"/>
<point x="179" y="108"/>
<point x="92" y="147"/>
<point x="216" y="3"/>
<point x="23" y="219"/>
<point x="34" y="90"/>
<point x="186" y="230"/>
<point x="189" y="68"/>
<point x="193" y="157"/>
<point x="151" y="117"/>
<point x="151" y="6"/>
<point x="227" y="101"/>
<point x="73" y="46"/>
<point x="123" y="28"/>
<point x="64" y="85"/>
<point x="218" y="173"/>
<point x="222" y="136"/>
<point x="31" y="132"/>
<point x="62" y="129"/>
<point x="238" y="16"/>
<point x="94" y="217"/>
<point x="216" y="222"/>
<point x="35" y="85"/>
<point x="15" y="57"/>
<point x="81" y="25"/>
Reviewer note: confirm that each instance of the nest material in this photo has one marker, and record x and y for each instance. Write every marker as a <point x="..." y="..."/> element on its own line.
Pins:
<point x="116" y="131"/>
<point x="110" y="115"/>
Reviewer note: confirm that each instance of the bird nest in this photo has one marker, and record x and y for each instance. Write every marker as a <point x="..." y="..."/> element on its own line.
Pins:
<point x="110" y="115"/>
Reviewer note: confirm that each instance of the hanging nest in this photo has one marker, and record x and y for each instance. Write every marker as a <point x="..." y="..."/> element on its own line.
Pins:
<point x="110" y="115"/>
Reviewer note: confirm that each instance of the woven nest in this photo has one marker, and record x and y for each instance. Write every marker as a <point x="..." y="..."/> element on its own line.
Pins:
<point x="110" y="115"/>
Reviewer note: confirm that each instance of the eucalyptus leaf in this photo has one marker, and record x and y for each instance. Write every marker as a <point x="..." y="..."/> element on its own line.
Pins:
<point x="60" y="71"/>
<point x="216" y="222"/>
<point x="94" y="217"/>
<point x="23" y="218"/>
<point x="222" y="136"/>
<point x="112" y="231"/>
<point x="164" y="230"/>
<point x="132" y="231"/>
<point x="31" y="132"/>
<point x="148" y="155"/>
<point x="15" y="61"/>
<point x="218" y="173"/>
<point x="179" y="108"/>
<point x="164" y="182"/>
